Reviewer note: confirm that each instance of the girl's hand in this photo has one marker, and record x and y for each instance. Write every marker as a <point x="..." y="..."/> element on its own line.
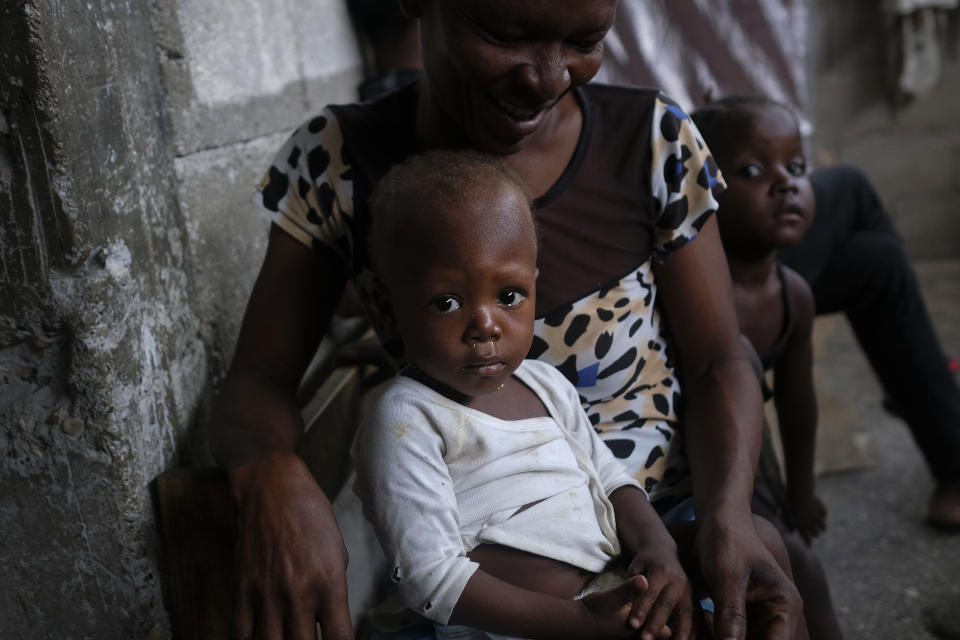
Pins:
<point x="808" y="515"/>
<point x="669" y="593"/>
<point x="609" y="610"/>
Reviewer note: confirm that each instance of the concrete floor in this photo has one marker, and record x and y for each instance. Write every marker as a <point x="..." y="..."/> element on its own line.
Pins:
<point x="891" y="576"/>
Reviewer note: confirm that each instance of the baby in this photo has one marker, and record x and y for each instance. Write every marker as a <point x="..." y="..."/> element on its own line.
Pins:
<point x="499" y="509"/>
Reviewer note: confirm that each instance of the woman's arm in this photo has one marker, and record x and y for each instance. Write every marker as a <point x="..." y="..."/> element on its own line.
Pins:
<point x="796" y="405"/>
<point x="722" y="407"/>
<point x="291" y="562"/>
<point x="722" y="422"/>
<point x="291" y="304"/>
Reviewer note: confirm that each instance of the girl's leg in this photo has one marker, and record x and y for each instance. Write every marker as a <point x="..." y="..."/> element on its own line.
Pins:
<point x="812" y="584"/>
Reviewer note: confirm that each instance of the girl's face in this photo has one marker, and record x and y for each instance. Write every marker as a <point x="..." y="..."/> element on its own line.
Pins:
<point x="769" y="201"/>
<point x="496" y="68"/>
<point x="462" y="293"/>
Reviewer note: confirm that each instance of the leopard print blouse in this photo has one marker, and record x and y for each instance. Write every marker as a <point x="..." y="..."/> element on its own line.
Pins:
<point x="640" y="185"/>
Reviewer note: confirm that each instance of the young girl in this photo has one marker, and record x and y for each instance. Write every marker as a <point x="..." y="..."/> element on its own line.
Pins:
<point x="495" y="501"/>
<point x="768" y="205"/>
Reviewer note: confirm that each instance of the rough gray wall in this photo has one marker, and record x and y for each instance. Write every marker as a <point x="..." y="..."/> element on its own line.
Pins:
<point x="909" y="147"/>
<point x="102" y="358"/>
<point x="127" y="249"/>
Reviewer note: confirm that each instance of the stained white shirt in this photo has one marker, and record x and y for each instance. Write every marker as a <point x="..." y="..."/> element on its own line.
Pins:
<point x="437" y="479"/>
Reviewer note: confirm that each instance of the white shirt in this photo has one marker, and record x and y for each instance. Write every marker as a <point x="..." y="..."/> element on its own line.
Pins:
<point x="437" y="479"/>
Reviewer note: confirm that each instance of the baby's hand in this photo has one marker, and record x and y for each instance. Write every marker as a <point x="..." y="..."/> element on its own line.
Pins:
<point x="669" y="592"/>
<point x="609" y="609"/>
<point x="808" y="515"/>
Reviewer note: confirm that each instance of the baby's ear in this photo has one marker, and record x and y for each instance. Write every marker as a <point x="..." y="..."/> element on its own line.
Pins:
<point x="390" y="337"/>
<point x="381" y="302"/>
<point x="386" y="321"/>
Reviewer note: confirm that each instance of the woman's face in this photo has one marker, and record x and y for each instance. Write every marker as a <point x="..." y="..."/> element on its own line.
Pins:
<point x="496" y="68"/>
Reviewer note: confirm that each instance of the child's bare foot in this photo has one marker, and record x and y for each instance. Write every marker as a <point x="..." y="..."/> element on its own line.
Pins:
<point x="945" y="507"/>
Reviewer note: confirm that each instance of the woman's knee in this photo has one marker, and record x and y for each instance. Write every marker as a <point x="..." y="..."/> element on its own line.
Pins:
<point x="803" y="561"/>
<point x="773" y="540"/>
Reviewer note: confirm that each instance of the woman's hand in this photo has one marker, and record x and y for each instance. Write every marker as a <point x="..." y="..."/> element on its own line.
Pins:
<point x="746" y="581"/>
<point x="291" y="562"/>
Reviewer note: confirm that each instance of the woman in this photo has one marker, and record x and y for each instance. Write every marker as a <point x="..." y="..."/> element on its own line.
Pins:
<point x="503" y="77"/>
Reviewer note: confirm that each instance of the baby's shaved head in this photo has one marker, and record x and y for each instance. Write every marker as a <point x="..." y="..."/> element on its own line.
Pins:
<point x="442" y="195"/>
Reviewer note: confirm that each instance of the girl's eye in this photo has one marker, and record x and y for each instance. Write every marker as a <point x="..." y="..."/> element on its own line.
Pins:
<point x="445" y="304"/>
<point x="797" y="169"/>
<point x="511" y="297"/>
<point x="750" y="171"/>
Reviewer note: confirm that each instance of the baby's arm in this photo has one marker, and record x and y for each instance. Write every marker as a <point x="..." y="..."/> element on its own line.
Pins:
<point x="646" y="540"/>
<point x="642" y="535"/>
<point x="408" y="496"/>
<point x="491" y="604"/>
<point x="796" y="405"/>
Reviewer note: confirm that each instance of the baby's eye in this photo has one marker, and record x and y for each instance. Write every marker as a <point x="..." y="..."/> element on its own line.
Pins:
<point x="511" y="297"/>
<point x="797" y="169"/>
<point x="749" y="171"/>
<point x="445" y="304"/>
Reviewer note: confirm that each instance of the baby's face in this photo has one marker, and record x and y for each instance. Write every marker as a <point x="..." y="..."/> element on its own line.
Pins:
<point x="464" y="303"/>
<point x="769" y="201"/>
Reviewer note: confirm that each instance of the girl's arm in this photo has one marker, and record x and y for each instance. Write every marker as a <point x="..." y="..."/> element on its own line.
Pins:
<point x="722" y="423"/>
<point x="796" y="405"/>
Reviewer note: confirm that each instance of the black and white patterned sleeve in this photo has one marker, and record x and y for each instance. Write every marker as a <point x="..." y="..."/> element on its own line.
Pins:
<point x="685" y="180"/>
<point x="306" y="191"/>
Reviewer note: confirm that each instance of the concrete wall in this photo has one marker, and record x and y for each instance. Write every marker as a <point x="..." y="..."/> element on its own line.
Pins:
<point x="131" y="134"/>
<point x="909" y="147"/>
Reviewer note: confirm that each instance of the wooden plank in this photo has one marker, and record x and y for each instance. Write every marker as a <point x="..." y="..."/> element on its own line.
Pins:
<point x="198" y="519"/>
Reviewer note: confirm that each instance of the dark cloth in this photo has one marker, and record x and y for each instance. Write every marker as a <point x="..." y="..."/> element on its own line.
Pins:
<point x="769" y="488"/>
<point x="769" y="360"/>
<point x="386" y="82"/>
<point x="854" y="261"/>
